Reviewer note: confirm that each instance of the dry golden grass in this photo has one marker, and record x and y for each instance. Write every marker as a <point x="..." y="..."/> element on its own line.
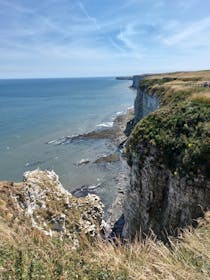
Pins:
<point x="26" y="253"/>
<point x="6" y="234"/>
<point x="201" y="97"/>
<point x="35" y="256"/>
<point x="203" y="75"/>
<point x="188" y="259"/>
<point x="179" y="86"/>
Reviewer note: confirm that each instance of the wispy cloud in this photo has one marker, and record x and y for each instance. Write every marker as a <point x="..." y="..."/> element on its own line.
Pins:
<point x="77" y="38"/>
<point x="91" y="19"/>
<point x="189" y="32"/>
<point x="126" y="36"/>
<point x="116" y="46"/>
<point x="132" y="40"/>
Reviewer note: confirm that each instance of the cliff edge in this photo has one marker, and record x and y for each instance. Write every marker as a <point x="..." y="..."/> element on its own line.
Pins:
<point x="40" y="203"/>
<point x="169" y="154"/>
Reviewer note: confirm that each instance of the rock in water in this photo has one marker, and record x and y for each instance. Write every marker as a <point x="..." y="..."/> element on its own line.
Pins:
<point x="83" y="162"/>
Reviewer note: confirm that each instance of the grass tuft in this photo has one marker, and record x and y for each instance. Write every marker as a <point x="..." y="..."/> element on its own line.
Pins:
<point x="34" y="256"/>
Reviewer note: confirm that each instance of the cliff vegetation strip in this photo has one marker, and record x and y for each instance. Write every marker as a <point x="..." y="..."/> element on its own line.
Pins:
<point x="180" y="129"/>
<point x="29" y="254"/>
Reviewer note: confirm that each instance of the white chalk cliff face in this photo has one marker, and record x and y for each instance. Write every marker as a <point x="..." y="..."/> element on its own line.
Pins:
<point x="42" y="201"/>
<point x="158" y="200"/>
<point x="144" y="104"/>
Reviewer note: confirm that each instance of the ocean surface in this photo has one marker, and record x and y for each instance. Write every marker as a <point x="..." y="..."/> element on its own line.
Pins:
<point x="34" y="112"/>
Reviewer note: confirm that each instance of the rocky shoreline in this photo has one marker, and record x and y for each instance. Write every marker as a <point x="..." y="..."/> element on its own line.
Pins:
<point x="148" y="190"/>
<point x="117" y="135"/>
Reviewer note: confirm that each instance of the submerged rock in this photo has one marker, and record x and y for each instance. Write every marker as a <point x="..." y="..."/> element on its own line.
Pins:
<point x="108" y="158"/>
<point x="85" y="190"/>
<point x="83" y="162"/>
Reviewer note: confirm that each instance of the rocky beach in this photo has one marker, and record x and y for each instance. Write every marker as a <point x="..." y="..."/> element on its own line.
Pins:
<point x="117" y="136"/>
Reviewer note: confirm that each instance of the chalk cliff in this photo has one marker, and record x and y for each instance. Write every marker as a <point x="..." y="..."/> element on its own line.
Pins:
<point x="169" y="156"/>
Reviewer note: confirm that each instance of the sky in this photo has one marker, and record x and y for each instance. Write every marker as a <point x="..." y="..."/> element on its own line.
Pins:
<point x="85" y="38"/>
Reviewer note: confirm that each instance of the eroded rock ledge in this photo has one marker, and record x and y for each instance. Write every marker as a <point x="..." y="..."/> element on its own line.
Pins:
<point x="41" y="202"/>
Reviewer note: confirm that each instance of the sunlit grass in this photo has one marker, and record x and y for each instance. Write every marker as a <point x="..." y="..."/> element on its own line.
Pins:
<point x="201" y="97"/>
<point x="35" y="256"/>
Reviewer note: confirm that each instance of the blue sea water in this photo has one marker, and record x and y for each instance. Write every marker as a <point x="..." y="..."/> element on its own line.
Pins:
<point x="35" y="111"/>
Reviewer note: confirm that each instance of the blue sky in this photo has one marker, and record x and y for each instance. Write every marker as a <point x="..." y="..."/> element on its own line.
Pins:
<point x="68" y="38"/>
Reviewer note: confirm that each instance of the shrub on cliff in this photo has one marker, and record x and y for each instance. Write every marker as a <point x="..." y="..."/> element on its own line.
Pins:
<point x="179" y="129"/>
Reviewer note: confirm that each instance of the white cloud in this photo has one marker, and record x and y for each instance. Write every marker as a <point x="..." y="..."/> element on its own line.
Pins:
<point x="81" y="39"/>
<point x="91" y="19"/>
<point x="189" y="33"/>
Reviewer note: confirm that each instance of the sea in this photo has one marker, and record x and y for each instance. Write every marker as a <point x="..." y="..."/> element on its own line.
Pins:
<point x="34" y="113"/>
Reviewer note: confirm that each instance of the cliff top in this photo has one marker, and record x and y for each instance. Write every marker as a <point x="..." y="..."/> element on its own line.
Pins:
<point x="185" y="84"/>
<point x="197" y="75"/>
<point x="180" y="129"/>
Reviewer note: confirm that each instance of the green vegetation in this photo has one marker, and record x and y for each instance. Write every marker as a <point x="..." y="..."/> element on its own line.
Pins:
<point x="28" y="254"/>
<point x="148" y="83"/>
<point x="180" y="129"/>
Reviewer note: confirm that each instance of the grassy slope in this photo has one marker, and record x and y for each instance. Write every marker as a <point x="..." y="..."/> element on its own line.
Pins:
<point x="30" y="255"/>
<point x="180" y="129"/>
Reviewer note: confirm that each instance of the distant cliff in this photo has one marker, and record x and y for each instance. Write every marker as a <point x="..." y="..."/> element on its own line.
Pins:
<point x="169" y="154"/>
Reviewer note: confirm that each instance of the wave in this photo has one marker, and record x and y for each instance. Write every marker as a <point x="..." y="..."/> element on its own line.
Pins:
<point x="105" y="125"/>
<point x="63" y="140"/>
<point x="34" y="164"/>
<point x="120" y="113"/>
<point x="104" y="130"/>
<point x="130" y="107"/>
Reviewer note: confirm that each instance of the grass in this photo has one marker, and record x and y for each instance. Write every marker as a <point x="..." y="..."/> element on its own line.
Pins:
<point x="31" y="255"/>
<point x="180" y="128"/>
<point x="203" y="97"/>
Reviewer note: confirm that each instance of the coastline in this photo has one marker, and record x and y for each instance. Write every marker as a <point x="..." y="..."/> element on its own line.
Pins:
<point x="59" y="108"/>
<point x="116" y="135"/>
<point x="113" y="131"/>
<point x="157" y="218"/>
